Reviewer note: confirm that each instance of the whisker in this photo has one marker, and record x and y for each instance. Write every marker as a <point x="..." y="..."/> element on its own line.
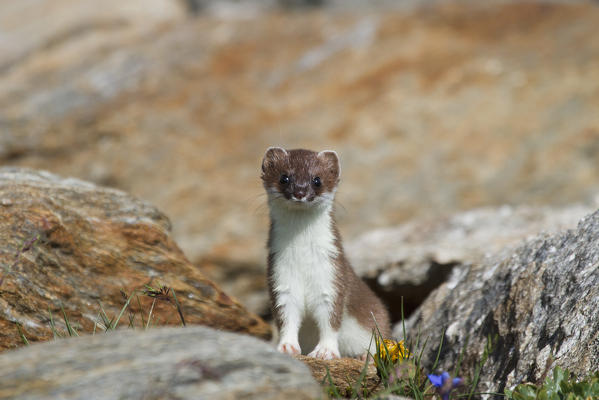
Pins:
<point x="340" y="207"/>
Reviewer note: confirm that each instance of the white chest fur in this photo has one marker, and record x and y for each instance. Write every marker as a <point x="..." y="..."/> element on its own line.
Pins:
<point x="303" y="274"/>
<point x="303" y="244"/>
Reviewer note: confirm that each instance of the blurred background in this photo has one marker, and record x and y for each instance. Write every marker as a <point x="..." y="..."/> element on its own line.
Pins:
<point x="433" y="106"/>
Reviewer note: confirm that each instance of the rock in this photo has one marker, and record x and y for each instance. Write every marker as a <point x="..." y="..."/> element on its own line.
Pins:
<point x="71" y="243"/>
<point x="162" y="363"/>
<point x="411" y="260"/>
<point x="344" y="373"/>
<point x="432" y="111"/>
<point x="50" y="26"/>
<point x="538" y="306"/>
<point x="246" y="279"/>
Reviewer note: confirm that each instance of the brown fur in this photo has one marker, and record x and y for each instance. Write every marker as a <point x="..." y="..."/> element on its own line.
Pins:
<point x="299" y="163"/>
<point x="352" y="294"/>
<point x="360" y="300"/>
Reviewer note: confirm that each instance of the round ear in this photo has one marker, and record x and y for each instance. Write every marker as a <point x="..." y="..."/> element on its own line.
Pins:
<point x="272" y="155"/>
<point x="331" y="160"/>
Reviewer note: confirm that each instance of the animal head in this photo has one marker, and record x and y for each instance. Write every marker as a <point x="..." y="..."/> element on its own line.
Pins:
<point x="300" y="179"/>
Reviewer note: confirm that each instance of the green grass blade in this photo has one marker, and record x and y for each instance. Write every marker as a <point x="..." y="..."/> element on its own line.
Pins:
<point x="360" y="381"/>
<point x="439" y="350"/>
<point x="421" y="352"/>
<point x="131" y="320"/>
<point x="384" y="365"/>
<point x="479" y="367"/>
<point x="150" y="314"/>
<point x="107" y="322"/>
<point x="123" y="310"/>
<point x="53" y="326"/>
<point x="21" y="334"/>
<point x="70" y="329"/>
<point x="332" y="388"/>
<point x="403" y="322"/>
<point x="178" y="307"/>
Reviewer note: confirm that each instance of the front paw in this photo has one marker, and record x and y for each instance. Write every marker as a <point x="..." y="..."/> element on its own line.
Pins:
<point x="288" y="348"/>
<point x="324" y="353"/>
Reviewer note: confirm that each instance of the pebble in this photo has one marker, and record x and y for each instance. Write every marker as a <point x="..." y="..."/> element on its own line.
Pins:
<point x="6" y="202"/>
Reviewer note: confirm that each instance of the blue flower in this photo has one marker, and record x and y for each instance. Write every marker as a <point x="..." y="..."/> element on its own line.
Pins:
<point x="443" y="384"/>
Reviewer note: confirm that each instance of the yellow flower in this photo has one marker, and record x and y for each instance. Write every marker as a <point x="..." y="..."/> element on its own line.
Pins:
<point x="397" y="350"/>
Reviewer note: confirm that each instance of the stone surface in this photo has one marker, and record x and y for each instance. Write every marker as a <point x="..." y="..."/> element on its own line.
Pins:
<point x="538" y="304"/>
<point x="65" y="241"/>
<point x="344" y="372"/>
<point x="432" y="110"/>
<point x="30" y="28"/>
<point x="414" y="258"/>
<point x="246" y="279"/>
<point x="162" y="363"/>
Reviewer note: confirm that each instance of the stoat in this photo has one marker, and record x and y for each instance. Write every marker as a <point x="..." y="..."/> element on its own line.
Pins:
<point x="321" y="307"/>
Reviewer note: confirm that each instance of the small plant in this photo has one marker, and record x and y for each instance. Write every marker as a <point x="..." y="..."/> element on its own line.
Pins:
<point x="71" y="331"/>
<point x="103" y="322"/>
<point x="402" y="374"/>
<point x="399" y="368"/>
<point x="21" y="334"/>
<point x="329" y="386"/>
<point x="560" y="385"/>
<point x="159" y="293"/>
<point x="391" y="351"/>
<point x="111" y="324"/>
<point x="162" y="293"/>
<point x="443" y="384"/>
<point x="491" y="341"/>
<point x="403" y="377"/>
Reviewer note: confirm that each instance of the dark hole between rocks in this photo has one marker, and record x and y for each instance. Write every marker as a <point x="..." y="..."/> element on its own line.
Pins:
<point x="413" y="295"/>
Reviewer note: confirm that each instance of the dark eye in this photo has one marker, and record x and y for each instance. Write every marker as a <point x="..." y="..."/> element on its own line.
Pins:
<point x="316" y="181"/>
<point x="284" y="179"/>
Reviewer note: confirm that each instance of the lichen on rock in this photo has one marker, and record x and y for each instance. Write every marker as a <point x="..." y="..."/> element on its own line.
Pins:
<point x="537" y="306"/>
<point x="87" y="246"/>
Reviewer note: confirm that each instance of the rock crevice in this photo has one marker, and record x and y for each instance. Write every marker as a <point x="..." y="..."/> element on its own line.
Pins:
<point x="536" y="305"/>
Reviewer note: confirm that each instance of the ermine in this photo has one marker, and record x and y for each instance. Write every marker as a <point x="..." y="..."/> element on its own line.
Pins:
<point x="321" y="307"/>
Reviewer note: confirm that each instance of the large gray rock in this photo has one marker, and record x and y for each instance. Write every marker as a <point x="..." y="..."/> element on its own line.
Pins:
<point x="538" y="304"/>
<point x="411" y="260"/>
<point x="165" y="363"/>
